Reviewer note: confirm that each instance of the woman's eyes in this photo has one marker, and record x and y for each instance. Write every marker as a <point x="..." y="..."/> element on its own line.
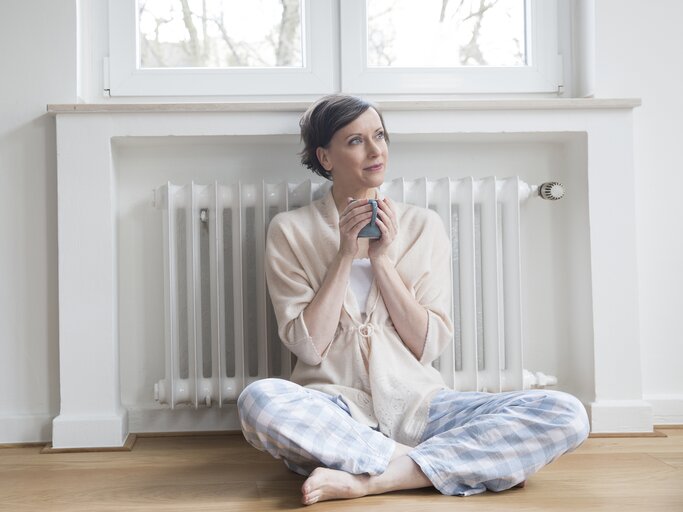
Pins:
<point x="359" y="140"/>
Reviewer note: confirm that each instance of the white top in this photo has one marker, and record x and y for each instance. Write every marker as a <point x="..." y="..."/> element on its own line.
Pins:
<point x="360" y="282"/>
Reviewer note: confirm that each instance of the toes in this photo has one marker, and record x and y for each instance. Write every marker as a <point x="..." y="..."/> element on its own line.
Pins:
<point x="308" y="486"/>
<point x="310" y="499"/>
<point x="310" y="493"/>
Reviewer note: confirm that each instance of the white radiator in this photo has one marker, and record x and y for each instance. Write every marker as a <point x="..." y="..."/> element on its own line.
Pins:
<point x="220" y="329"/>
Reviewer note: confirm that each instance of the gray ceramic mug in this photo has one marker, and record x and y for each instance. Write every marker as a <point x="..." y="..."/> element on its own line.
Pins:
<point x="371" y="230"/>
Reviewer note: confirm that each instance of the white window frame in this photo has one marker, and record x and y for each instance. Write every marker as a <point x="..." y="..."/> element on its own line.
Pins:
<point x="542" y="75"/>
<point x="317" y="76"/>
<point x="327" y="68"/>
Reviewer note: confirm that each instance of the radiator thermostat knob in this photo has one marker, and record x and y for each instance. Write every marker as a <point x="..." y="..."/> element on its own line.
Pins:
<point x="551" y="190"/>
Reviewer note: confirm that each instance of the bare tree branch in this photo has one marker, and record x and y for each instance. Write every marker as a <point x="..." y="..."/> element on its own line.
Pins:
<point x="193" y="45"/>
<point x="206" y="46"/>
<point x="153" y="47"/>
<point x="228" y="41"/>
<point x="444" y="6"/>
<point x="381" y="41"/>
<point x="241" y="52"/>
<point x="289" y="24"/>
<point x="471" y="51"/>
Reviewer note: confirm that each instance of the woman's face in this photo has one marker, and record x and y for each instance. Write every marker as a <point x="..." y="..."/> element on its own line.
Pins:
<point x="357" y="155"/>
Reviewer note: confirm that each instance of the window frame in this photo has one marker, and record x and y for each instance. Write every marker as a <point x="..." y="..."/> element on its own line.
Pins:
<point x="542" y="75"/>
<point x="317" y="76"/>
<point x="335" y="59"/>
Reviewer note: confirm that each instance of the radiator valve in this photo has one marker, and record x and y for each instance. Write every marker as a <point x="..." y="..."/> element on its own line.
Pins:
<point x="551" y="190"/>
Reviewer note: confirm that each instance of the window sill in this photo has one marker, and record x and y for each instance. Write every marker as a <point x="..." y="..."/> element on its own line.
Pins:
<point x="392" y="105"/>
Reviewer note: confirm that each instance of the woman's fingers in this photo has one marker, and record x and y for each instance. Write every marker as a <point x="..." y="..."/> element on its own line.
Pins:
<point x="355" y="213"/>
<point x="386" y="222"/>
<point x="388" y="232"/>
<point x="355" y="204"/>
<point x="386" y="213"/>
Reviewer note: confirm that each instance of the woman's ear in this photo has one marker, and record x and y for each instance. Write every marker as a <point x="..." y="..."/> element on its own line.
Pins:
<point x="323" y="158"/>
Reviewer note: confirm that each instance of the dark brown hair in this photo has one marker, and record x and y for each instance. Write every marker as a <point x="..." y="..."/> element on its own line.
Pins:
<point x="322" y="120"/>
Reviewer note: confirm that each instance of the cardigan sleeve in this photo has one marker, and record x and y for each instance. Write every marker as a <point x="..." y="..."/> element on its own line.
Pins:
<point x="434" y="290"/>
<point x="290" y="292"/>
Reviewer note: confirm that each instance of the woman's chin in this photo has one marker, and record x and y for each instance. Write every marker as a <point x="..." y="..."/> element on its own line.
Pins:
<point x="374" y="180"/>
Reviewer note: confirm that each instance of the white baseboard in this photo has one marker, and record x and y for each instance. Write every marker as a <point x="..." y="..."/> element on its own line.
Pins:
<point x="617" y="416"/>
<point x="78" y="432"/>
<point x="25" y="428"/>
<point x="183" y="419"/>
<point x="666" y="409"/>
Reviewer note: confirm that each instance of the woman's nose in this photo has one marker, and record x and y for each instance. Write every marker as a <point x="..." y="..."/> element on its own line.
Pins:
<point x="373" y="148"/>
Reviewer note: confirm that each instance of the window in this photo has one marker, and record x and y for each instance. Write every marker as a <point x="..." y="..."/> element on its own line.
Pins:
<point x="456" y="46"/>
<point x="220" y="47"/>
<point x="219" y="34"/>
<point x="445" y="33"/>
<point x="279" y="47"/>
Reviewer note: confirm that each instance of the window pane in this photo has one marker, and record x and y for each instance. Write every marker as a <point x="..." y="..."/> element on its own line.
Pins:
<point x="219" y="33"/>
<point x="446" y="33"/>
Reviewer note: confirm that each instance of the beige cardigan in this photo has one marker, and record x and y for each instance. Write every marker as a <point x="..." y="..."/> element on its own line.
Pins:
<point x="379" y="378"/>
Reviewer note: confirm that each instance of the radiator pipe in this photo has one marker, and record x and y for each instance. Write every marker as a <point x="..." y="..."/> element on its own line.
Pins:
<point x="537" y="380"/>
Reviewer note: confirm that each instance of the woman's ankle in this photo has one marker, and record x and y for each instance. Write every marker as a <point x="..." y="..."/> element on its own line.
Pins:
<point x="400" y="451"/>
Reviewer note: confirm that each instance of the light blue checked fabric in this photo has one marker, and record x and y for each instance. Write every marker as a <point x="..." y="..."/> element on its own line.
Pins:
<point x="479" y="441"/>
<point x="472" y="442"/>
<point x="308" y="428"/>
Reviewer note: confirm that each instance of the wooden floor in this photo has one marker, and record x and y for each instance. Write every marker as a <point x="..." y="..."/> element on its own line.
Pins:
<point x="224" y="473"/>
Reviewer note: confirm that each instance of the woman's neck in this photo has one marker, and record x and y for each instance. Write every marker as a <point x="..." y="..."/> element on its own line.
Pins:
<point x="341" y="196"/>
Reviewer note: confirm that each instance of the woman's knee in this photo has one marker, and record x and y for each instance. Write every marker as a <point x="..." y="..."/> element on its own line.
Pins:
<point x="571" y="413"/>
<point x="558" y="410"/>
<point x="260" y="394"/>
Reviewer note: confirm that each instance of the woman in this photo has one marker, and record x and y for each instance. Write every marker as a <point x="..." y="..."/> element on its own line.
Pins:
<point x="365" y="411"/>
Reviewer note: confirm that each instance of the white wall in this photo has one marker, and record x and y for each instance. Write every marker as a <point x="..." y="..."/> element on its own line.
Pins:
<point x="638" y="48"/>
<point x="37" y="59"/>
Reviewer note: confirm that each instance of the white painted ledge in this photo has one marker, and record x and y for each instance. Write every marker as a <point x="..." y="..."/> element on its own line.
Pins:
<point x="392" y="105"/>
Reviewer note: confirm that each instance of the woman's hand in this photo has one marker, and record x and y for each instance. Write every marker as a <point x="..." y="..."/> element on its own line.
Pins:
<point x="356" y="215"/>
<point x="386" y="221"/>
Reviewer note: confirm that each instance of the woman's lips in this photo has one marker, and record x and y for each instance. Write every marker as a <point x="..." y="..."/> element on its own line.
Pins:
<point x="374" y="168"/>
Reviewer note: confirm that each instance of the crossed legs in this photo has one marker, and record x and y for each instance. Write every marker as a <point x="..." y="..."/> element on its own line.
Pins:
<point x="473" y="441"/>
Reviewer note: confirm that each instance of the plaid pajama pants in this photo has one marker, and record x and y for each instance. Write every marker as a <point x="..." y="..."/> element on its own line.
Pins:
<point x="472" y="441"/>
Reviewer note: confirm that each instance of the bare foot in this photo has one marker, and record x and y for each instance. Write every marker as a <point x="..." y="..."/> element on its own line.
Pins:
<point x="331" y="484"/>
